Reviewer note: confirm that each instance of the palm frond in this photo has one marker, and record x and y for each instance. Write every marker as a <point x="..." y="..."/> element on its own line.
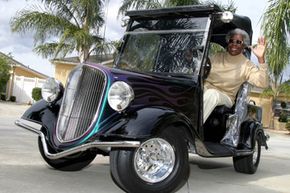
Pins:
<point x="230" y="6"/>
<point x="284" y="88"/>
<point x="276" y="30"/>
<point x="215" y="48"/>
<point x="90" y="12"/>
<point x="43" y="24"/>
<point x="268" y="92"/>
<point x="62" y="8"/>
<point x="104" y="48"/>
<point x="46" y="50"/>
<point x="173" y="3"/>
<point x="138" y="4"/>
<point x="51" y="50"/>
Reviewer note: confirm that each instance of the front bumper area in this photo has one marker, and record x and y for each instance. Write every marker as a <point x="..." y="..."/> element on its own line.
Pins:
<point x="84" y="147"/>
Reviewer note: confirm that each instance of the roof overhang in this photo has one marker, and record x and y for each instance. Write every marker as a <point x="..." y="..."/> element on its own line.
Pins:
<point x="57" y="61"/>
<point x="27" y="69"/>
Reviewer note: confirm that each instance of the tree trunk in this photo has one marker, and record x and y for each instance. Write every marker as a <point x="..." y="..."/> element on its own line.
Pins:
<point x="84" y="55"/>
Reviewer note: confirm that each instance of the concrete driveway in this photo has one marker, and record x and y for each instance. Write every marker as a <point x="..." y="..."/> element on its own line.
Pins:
<point x="23" y="170"/>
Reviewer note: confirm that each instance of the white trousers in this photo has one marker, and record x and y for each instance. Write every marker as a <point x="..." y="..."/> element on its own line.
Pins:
<point x="213" y="98"/>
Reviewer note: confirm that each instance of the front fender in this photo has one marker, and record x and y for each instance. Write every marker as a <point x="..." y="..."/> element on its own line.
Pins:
<point x="146" y="122"/>
<point x="43" y="113"/>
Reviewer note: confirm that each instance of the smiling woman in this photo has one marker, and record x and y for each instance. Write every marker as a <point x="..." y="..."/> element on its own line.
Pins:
<point x="231" y="69"/>
<point x="235" y="45"/>
<point x="237" y="41"/>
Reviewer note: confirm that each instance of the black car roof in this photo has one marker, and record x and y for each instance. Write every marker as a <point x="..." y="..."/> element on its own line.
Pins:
<point x="198" y="10"/>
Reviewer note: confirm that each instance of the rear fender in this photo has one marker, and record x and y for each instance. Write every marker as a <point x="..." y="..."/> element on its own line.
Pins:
<point x="250" y="130"/>
<point x="259" y="133"/>
<point x="146" y="122"/>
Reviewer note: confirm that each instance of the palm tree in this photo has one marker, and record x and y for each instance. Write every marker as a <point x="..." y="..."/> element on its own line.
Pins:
<point x="276" y="28"/>
<point x="75" y="24"/>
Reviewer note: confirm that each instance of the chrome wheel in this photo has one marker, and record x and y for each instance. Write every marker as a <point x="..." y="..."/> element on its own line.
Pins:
<point x="160" y="164"/>
<point x="154" y="160"/>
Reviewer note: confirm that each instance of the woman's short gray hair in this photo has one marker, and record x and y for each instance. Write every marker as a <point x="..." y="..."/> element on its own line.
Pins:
<point x="246" y="37"/>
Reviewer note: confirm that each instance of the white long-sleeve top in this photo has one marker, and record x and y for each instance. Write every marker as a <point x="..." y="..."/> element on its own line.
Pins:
<point x="229" y="72"/>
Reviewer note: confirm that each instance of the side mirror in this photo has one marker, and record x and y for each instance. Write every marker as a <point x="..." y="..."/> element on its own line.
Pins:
<point x="207" y="68"/>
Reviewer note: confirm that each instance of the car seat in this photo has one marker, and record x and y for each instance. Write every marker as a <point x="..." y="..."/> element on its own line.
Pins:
<point x="223" y="125"/>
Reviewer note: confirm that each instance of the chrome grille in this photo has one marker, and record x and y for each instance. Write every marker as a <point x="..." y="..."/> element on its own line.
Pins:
<point x="82" y="99"/>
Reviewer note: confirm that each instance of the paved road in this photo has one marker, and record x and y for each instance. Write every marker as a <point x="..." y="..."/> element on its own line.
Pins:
<point x="23" y="170"/>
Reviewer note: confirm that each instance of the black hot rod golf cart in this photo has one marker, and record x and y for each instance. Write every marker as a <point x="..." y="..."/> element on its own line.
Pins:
<point x="146" y="111"/>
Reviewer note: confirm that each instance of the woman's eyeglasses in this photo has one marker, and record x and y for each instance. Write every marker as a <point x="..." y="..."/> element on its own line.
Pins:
<point x="238" y="42"/>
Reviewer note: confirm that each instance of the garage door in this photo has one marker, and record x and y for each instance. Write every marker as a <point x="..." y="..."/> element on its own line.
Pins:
<point x="23" y="86"/>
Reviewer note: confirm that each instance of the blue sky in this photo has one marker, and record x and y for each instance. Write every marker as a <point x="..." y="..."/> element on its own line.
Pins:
<point x="21" y="45"/>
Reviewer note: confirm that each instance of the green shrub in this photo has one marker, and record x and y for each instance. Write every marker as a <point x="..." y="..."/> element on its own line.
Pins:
<point x="283" y="117"/>
<point x="3" y="97"/>
<point x="36" y="94"/>
<point x="4" y="73"/>
<point x="13" y="98"/>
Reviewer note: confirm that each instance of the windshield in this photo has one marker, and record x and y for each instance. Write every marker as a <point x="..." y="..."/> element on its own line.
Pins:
<point x="164" y="46"/>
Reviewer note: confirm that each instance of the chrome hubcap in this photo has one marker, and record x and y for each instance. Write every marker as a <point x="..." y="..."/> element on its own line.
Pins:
<point x="154" y="160"/>
<point x="255" y="153"/>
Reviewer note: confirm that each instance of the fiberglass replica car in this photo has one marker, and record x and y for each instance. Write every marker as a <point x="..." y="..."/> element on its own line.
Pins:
<point x="146" y="112"/>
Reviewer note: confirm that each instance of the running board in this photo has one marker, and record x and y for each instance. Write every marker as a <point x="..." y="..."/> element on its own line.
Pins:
<point x="210" y="149"/>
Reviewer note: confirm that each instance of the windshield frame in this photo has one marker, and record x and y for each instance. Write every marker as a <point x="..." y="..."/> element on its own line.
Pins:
<point x="201" y="47"/>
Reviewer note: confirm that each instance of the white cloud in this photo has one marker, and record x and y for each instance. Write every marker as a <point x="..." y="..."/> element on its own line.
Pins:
<point x="254" y="9"/>
<point x="19" y="45"/>
<point x="8" y="9"/>
<point x="114" y="31"/>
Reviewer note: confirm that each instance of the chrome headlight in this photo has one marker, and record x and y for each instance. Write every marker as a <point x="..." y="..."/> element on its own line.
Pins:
<point x="51" y="90"/>
<point x="120" y="95"/>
